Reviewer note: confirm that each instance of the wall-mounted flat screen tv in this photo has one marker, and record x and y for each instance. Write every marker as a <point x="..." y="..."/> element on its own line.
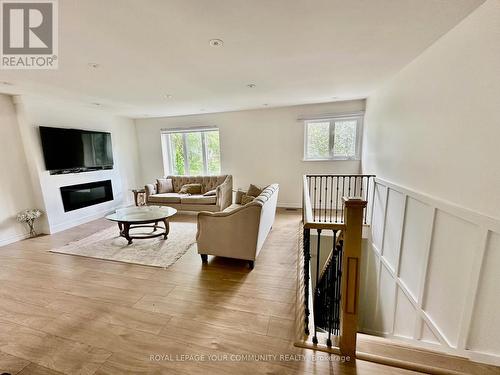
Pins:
<point x="75" y="149"/>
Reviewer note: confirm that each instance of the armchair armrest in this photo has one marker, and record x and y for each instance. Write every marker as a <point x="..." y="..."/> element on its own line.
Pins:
<point x="224" y="193"/>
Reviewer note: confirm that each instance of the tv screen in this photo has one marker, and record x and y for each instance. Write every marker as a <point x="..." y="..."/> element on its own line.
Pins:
<point x="70" y="149"/>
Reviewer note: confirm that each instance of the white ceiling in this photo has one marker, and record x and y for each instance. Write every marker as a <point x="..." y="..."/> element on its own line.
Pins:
<point x="295" y="51"/>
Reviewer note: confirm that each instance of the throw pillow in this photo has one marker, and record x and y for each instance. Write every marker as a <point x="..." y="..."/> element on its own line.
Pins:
<point x="190" y="189"/>
<point x="254" y="191"/>
<point x="164" y="185"/>
<point x="239" y="194"/>
<point x="210" y="193"/>
<point x="246" y="199"/>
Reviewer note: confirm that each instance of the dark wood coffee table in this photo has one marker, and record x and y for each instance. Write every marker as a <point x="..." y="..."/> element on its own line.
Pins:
<point x="142" y="217"/>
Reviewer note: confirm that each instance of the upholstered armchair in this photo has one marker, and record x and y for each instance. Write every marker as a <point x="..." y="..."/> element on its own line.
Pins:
<point x="240" y="230"/>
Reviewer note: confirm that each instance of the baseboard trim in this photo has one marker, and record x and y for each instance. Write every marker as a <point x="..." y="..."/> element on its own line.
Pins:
<point x="12" y="239"/>
<point x="289" y="205"/>
<point x="82" y="220"/>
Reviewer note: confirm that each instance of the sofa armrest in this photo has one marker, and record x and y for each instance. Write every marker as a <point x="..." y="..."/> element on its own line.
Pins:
<point x="150" y="190"/>
<point x="224" y="193"/>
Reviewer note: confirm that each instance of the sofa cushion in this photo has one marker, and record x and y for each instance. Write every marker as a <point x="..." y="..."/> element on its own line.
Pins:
<point x="238" y="195"/>
<point x="254" y="191"/>
<point x="198" y="199"/>
<point x="164" y="185"/>
<point x="190" y="189"/>
<point x="165" y="198"/>
<point x="246" y="199"/>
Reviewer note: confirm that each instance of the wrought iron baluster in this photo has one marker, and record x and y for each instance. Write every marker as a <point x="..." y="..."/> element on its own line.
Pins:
<point x="339" y="282"/>
<point x="343" y="189"/>
<point x="337" y="203"/>
<point x="331" y="197"/>
<point x="331" y="290"/>
<point x="316" y="296"/>
<point x="307" y="256"/>
<point x="314" y="200"/>
<point x="320" y="194"/>
<point x="326" y="196"/>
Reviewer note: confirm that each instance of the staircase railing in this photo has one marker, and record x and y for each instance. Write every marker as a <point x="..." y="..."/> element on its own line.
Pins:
<point x="334" y="282"/>
<point x="326" y="193"/>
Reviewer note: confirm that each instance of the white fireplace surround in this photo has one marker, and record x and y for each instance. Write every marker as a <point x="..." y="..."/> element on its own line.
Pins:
<point x="33" y="112"/>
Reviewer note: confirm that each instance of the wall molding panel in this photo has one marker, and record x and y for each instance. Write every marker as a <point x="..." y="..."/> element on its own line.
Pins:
<point x="431" y="274"/>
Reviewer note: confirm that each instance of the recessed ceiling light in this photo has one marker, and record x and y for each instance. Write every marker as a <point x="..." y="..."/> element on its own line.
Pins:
<point x="251" y="85"/>
<point x="168" y="96"/>
<point x="93" y="65"/>
<point x="216" y="42"/>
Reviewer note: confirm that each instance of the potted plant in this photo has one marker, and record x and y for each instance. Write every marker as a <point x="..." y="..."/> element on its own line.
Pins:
<point x="28" y="217"/>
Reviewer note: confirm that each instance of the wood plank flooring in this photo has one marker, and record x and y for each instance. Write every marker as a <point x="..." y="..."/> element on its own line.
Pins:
<point x="62" y="314"/>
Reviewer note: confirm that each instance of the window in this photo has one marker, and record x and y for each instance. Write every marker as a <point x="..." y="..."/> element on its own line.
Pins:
<point x="336" y="138"/>
<point x="191" y="151"/>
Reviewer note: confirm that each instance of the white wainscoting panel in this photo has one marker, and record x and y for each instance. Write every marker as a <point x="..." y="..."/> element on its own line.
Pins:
<point x="386" y="301"/>
<point x="484" y="335"/>
<point x="454" y="244"/>
<point x="430" y="274"/>
<point x="378" y="215"/>
<point x="416" y="236"/>
<point x="428" y="336"/>
<point x="404" y="316"/>
<point x="392" y="228"/>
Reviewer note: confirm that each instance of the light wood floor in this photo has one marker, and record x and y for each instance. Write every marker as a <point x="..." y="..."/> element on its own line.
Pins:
<point x="75" y="315"/>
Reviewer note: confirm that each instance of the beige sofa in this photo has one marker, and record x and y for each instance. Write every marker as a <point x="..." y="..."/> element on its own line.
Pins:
<point x="223" y="186"/>
<point x="238" y="231"/>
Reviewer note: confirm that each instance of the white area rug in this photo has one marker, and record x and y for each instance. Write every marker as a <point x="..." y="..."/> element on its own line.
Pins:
<point x="107" y="244"/>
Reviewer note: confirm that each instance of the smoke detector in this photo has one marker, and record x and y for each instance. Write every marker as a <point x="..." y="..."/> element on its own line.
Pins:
<point x="216" y="42"/>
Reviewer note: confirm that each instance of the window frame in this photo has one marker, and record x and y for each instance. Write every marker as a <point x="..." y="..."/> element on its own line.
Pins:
<point x="167" y="152"/>
<point x="331" y="120"/>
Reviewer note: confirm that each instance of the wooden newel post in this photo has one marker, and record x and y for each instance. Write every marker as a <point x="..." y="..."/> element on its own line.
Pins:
<point x="353" y="220"/>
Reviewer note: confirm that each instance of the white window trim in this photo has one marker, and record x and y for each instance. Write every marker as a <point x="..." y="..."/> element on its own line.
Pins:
<point x="332" y="119"/>
<point x="168" y="167"/>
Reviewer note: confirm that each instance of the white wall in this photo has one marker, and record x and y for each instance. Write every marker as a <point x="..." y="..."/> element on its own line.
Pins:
<point x="35" y="111"/>
<point x="435" y="126"/>
<point x="257" y="146"/>
<point x="431" y="273"/>
<point x="15" y="186"/>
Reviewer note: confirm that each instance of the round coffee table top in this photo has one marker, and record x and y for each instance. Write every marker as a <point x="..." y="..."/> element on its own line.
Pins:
<point x="141" y="214"/>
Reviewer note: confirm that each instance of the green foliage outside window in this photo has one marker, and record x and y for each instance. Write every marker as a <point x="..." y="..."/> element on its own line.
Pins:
<point x="345" y="138"/>
<point x="195" y="153"/>
<point x="213" y="152"/>
<point x="331" y="139"/>
<point x="177" y="148"/>
<point x="197" y="162"/>
<point x="318" y="140"/>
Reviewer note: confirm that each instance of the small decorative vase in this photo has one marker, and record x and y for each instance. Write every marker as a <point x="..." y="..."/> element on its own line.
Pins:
<point x="29" y="216"/>
<point x="31" y="226"/>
